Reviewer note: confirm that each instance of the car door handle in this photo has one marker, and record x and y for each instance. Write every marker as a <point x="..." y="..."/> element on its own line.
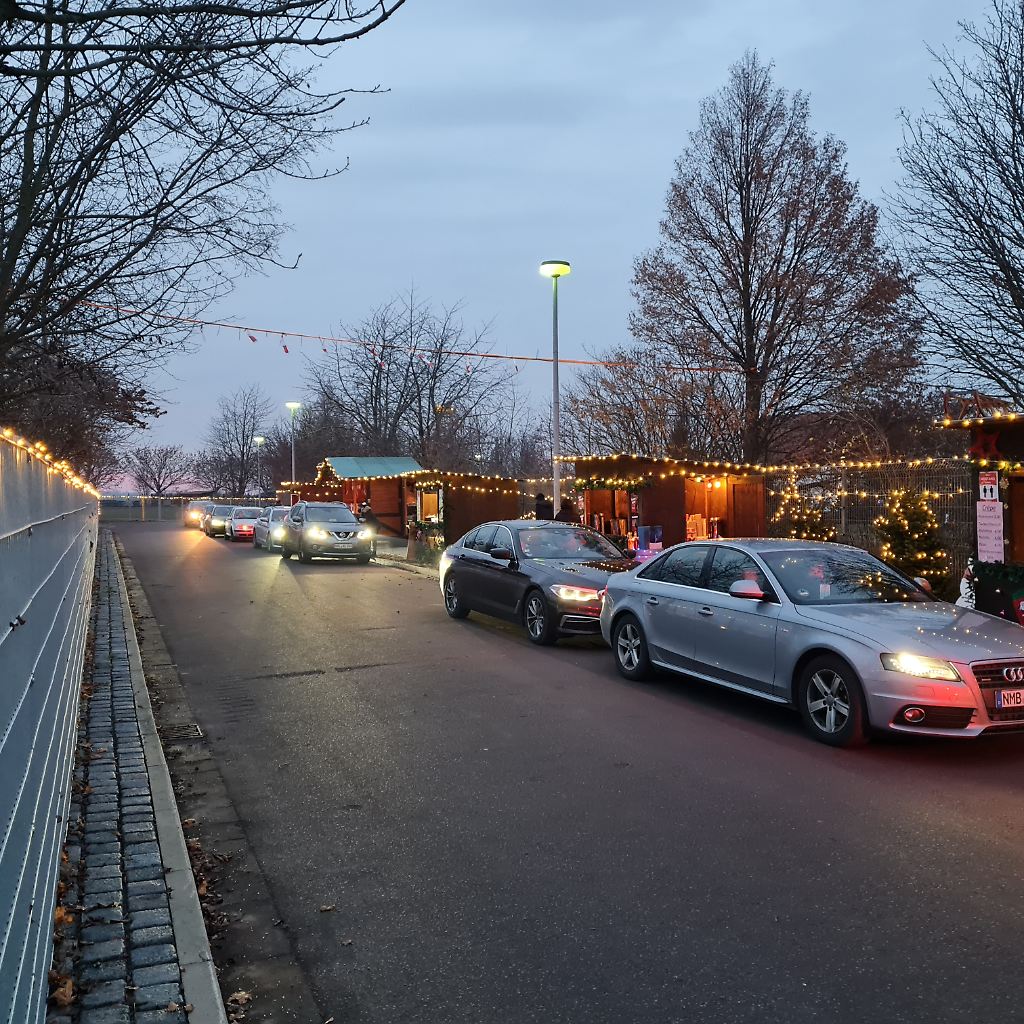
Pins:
<point x="705" y="612"/>
<point x="652" y="600"/>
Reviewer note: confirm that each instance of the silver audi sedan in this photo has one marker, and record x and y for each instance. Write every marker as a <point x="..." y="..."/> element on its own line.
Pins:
<point x="850" y="642"/>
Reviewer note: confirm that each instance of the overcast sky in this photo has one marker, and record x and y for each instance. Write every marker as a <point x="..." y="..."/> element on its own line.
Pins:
<point x="522" y="131"/>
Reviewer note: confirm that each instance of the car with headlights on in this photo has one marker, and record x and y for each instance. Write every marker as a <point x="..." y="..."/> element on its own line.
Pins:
<point x="851" y="643"/>
<point x="192" y="513"/>
<point x="216" y="520"/>
<point x="547" y="575"/>
<point x="239" y="525"/>
<point x="268" y="530"/>
<point x="318" y="529"/>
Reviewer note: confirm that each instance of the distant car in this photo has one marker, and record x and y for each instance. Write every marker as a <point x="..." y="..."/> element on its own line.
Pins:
<point x="192" y="514"/>
<point x="547" y="575"/>
<point x="239" y="525"/>
<point x="847" y="640"/>
<point x="269" y="529"/>
<point x="216" y="520"/>
<point x="315" y="529"/>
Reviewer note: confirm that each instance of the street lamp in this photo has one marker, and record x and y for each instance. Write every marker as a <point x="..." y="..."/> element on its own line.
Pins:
<point x="259" y="442"/>
<point x="554" y="269"/>
<point x="294" y="407"/>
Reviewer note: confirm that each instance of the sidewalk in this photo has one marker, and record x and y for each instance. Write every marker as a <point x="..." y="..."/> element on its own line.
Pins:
<point x="134" y="943"/>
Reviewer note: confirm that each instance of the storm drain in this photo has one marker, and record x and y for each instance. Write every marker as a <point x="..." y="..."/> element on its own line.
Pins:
<point x="181" y="733"/>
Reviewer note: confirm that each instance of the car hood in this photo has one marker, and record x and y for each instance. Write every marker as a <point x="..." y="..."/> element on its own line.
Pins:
<point x="929" y="628"/>
<point x="592" y="572"/>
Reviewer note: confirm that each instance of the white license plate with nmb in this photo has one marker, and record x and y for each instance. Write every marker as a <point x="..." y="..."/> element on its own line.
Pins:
<point x="1010" y="698"/>
<point x="346" y="545"/>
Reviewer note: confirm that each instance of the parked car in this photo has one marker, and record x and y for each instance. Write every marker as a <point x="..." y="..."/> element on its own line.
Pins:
<point x="847" y="640"/>
<point x="192" y="513"/>
<point x="215" y="521"/>
<point x="268" y="531"/>
<point x="547" y="575"/>
<point x="239" y="525"/>
<point x="315" y="529"/>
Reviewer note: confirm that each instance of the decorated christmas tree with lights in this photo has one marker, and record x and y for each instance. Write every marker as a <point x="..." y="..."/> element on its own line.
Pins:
<point x="910" y="537"/>
<point x="801" y="517"/>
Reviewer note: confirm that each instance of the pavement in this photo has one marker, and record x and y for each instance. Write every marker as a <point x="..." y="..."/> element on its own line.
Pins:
<point x="457" y="826"/>
<point x="133" y="943"/>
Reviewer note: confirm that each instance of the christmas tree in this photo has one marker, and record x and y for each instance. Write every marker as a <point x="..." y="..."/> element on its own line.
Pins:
<point x="910" y="538"/>
<point x="800" y="516"/>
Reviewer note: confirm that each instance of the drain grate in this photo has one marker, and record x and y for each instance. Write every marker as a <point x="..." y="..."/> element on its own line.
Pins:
<point x="181" y="733"/>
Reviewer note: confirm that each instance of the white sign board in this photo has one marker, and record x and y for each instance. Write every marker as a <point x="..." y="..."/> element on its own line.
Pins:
<point x="990" y="531"/>
<point x="988" y="485"/>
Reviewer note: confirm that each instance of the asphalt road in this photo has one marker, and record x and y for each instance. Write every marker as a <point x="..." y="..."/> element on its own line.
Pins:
<point x="516" y="834"/>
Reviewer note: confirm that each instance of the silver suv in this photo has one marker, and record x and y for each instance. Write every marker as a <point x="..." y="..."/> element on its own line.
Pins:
<point x="315" y="529"/>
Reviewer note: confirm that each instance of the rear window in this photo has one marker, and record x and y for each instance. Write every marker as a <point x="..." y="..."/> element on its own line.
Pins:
<point x="329" y="514"/>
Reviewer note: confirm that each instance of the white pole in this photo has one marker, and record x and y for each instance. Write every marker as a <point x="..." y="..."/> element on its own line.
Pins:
<point x="555" y="417"/>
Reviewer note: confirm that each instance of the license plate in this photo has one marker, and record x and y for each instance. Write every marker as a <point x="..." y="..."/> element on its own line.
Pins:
<point x="1010" y="698"/>
<point x="343" y="546"/>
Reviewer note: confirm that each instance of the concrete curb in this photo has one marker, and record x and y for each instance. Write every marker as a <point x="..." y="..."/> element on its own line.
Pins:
<point x="198" y="973"/>
<point x="419" y="570"/>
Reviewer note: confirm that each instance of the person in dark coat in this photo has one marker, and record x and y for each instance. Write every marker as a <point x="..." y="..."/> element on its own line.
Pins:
<point x="544" y="508"/>
<point x="568" y="512"/>
<point x="366" y="516"/>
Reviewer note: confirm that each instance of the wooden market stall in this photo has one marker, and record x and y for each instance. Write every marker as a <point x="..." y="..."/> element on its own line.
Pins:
<point x="656" y="502"/>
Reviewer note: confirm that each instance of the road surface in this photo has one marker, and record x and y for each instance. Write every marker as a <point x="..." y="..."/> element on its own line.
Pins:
<point x="516" y="834"/>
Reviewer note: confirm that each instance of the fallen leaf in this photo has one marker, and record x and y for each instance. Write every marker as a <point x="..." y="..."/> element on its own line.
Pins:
<point x="240" y="998"/>
<point x="188" y="823"/>
<point x="62" y="916"/>
<point x="327" y="907"/>
<point x="201" y="888"/>
<point x="64" y="993"/>
<point x="346" y="942"/>
<point x="188" y="1007"/>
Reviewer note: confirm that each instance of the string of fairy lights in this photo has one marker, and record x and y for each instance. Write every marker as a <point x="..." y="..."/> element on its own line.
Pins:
<point x="54" y="467"/>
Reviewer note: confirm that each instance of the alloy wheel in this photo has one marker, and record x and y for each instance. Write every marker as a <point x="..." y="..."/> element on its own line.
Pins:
<point x="451" y="595"/>
<point x="627" y="647"/>
<point x="536" y="616"/>
<point x="828" y="701"/>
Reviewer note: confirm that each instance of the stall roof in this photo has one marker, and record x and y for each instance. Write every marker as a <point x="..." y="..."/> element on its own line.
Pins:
<point x="353" y="467"/>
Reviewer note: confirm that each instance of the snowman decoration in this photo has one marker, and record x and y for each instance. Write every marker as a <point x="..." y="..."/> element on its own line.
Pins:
<point x="966" y="598"/>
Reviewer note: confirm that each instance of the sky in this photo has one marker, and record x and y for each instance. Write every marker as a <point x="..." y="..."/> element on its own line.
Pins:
<point x="517" y="132"/>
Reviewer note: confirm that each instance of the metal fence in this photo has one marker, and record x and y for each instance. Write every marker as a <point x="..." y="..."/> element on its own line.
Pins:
<point x="48" y="532"/>
<point x="146" y="508"/>
<point x="851" y="500"/>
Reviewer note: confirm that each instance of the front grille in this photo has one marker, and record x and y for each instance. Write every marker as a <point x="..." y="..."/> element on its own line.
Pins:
<point x="938" y="718"/>
<point x="990" y="678"/>
<point x="343" y="534"/>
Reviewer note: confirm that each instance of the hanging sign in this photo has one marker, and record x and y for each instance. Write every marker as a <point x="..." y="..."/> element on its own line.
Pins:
<point x="988" y="485"/>
<point x="990" y="531"/>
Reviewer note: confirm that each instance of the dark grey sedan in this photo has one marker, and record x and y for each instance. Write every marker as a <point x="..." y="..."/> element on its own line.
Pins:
<point x="547" y="575"/>
<point x="850" y="642"/>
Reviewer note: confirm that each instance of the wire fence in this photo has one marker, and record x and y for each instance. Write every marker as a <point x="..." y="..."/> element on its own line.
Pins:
<point x="850" y="500"/>
<point x="147" y="508"/>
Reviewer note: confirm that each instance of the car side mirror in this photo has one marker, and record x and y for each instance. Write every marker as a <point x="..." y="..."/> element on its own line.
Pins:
<point x="501" y="554"/>
<point x="747" y="589"/>
<point x="923" y="584"/>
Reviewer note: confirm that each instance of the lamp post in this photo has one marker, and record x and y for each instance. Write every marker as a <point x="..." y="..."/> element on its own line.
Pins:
<point x="259" y="442"/>
<point x="294" y="407"/>
<point x="555" y="269"/>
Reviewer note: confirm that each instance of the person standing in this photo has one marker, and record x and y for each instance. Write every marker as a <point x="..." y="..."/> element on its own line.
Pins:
<point x="544" y="508"/>
<point x="568" y="512"/>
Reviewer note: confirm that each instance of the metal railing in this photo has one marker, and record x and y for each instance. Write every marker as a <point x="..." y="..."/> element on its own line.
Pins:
<point x="48" y="534"/>
<point x="147" y="508"/>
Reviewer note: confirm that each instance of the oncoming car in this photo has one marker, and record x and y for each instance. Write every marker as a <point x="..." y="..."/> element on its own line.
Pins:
<point x="547" y="575"/>
<point x="192" y="513"/>
<point x="850" y="642"/>
<point x="314" y="529"/>
<point x="268" y="530"/>
<point x="215" y="521"/>
<point x="239" y="525"/>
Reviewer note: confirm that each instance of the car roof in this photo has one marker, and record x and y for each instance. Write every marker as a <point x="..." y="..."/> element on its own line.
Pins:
<point x="248" y="508"/>
<point x="532" y="524"/>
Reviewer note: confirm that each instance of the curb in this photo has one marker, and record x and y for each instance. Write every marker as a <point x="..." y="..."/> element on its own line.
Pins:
<point x="419" y="570"/>
<point x="198" y="973"/>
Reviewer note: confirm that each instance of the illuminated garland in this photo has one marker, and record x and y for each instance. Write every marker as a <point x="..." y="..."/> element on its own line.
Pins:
<point x="910" y="538"/>
<point x="798" y="517"/>
<point x="38" y="451"/>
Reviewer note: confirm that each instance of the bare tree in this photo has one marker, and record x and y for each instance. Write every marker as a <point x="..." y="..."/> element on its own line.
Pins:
<point x="157" y="469"/>
<point x="770" y="265"/>
<point x="962" y="202"/>
<point x="136" y="149"/>
<point x="228" y="462"/>
<point x="416" y="384"/>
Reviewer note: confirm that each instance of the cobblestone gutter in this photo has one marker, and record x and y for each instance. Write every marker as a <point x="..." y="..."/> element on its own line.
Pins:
<point x="133" y="943"/>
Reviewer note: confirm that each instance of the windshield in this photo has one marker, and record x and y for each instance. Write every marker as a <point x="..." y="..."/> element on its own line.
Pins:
<point x="329" y="514"/>
<point x="246" y="513"/>
<point x="574" y="543"/>
<point x="222" y="510"/>
<point x="278" y="513"/>
<point x="839" y="577"/>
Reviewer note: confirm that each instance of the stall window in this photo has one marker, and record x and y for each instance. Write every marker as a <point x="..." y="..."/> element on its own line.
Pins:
<point x="730" y="565"/>
<point x="681" y="566"/>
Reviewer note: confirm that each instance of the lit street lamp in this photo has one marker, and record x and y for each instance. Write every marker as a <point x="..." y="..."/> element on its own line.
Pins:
<point x="554" y="269"/>
<point x="259" y="442"/>
<point x="294" y="407"/>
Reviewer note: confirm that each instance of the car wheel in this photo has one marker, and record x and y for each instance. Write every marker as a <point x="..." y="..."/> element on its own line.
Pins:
<point x="285" y="553"/>
<point x="453" y="603"/>
<point x="831" y="702"/>
<point x="630" y="647"/>
<point x="539" y="620"/>
<point x="362" y="559"/>
<point x="304" y="556"/>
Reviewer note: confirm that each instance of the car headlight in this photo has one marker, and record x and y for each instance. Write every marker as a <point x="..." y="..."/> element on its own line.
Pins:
<point x="277" y="533"/>
<point x="216" y="522"/>
<point x="923" y="668"/>
<point x="317" y="533"/>
<point x="585" y="595"/>
<point x="364" y="534"/>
